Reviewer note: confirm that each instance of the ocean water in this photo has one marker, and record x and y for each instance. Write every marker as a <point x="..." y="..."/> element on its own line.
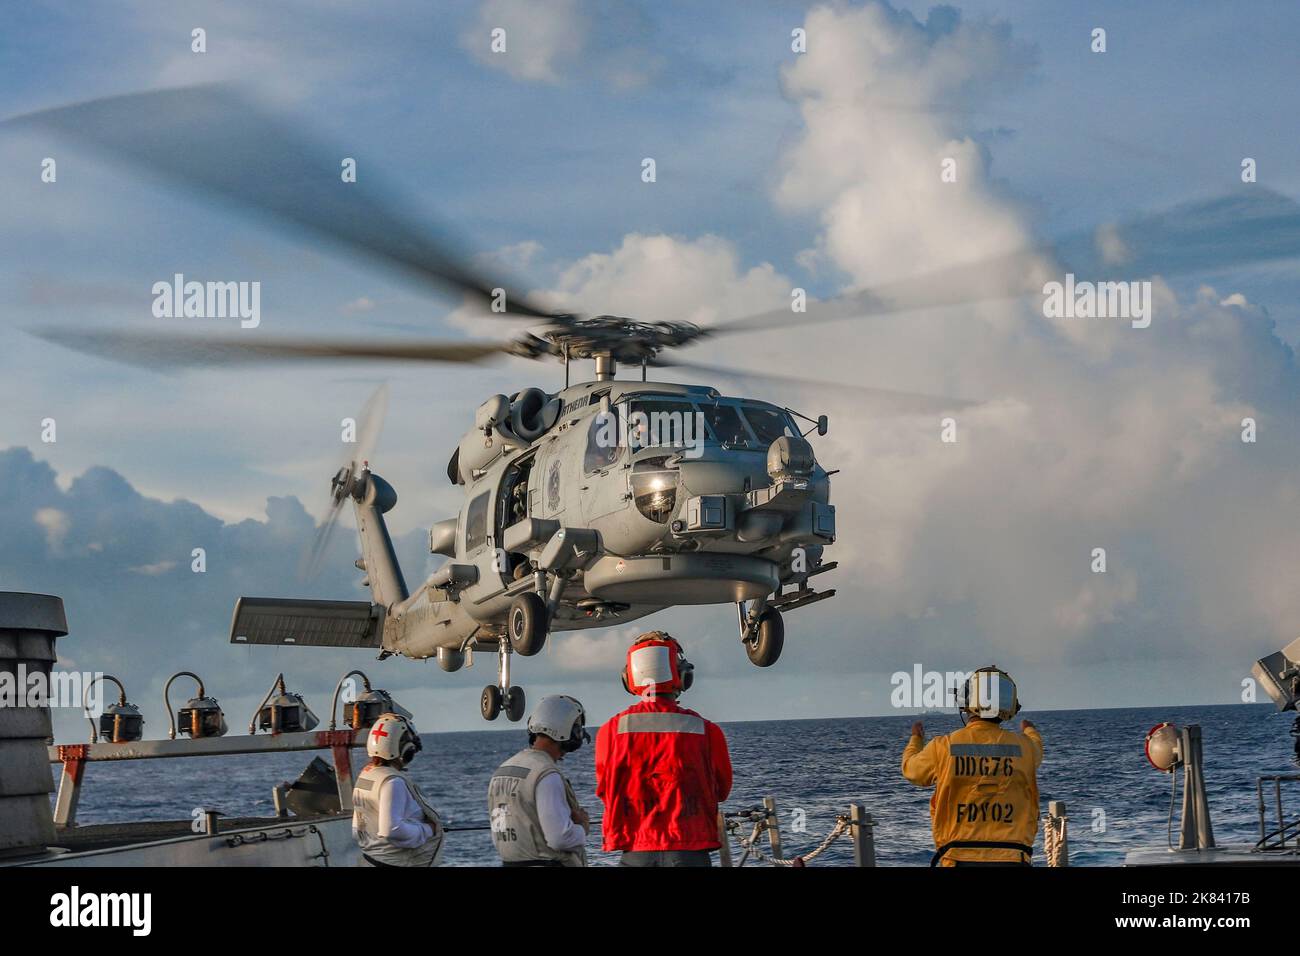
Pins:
<point x="814" y="769"/>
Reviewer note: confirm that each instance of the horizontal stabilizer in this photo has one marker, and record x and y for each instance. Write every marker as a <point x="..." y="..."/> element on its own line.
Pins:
<point x="291" y="621"/>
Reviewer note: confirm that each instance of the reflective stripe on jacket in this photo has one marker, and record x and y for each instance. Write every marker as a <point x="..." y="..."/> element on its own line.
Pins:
<point x="985" y="788"/>
<point x="661" y="771"/>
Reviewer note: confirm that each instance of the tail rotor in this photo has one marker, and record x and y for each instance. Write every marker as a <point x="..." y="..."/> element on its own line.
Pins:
<point x="350" y="479"/>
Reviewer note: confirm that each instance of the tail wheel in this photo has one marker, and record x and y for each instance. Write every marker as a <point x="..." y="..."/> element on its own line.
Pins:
<point x="527" y="624"/>
<point x="764" y="648"/>
<point x="490" y="703"/>
<point x="515" y="704"/>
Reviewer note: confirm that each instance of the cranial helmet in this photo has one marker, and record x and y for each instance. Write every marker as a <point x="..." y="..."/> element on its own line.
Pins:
<point x="562" y="719"/>
<point x="989" y="693"/>
<point x="393" y="737"/>
<point x="656" y="664"/>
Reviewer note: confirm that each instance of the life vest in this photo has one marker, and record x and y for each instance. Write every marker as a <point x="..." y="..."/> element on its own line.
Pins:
<point x="985" y="802"/>
<point x="512" y="810"/>
<point x="661" y="771"/>
<point x="365" y="819"/>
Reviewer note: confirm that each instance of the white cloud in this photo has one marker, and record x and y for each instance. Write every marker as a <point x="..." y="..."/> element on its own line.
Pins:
<point x="153" y="570"/>
<point x="1111" y="245"/>
<point x="601" y="652"/>
<point x="359" y="304"/>
<point x="660" y="278"/>
<point x="652" y="278"/>
<point x="542" y="37"/>
<point x="55" y="524"/>
<point x="869" y="160"/>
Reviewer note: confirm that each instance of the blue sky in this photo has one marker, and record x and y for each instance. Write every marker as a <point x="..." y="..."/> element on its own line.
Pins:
<point x="771" y="173"/>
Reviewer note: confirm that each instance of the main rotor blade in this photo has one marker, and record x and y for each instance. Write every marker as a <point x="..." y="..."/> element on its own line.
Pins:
<point x="212" y="139"/>
<point x="150" y="350"/>
<point x="1241" y="229"/>
<point x="917" y="402"/>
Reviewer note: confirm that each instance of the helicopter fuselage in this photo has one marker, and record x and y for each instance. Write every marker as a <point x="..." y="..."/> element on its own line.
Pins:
<point x="672" y="493"/>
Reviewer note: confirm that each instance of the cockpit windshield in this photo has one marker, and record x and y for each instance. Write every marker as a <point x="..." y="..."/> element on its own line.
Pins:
<point x="678" y="423"/>
<point x="663" y="423"/>
<point x="769" y="424"/>
<point x="727" y="426"/>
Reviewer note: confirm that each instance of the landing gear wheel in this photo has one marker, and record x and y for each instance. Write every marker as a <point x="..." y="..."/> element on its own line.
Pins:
<point x="490" y="703"/>
<point x="515" y="704"/>
<point x="764" y="648"/>
<point x="527" y="624"/>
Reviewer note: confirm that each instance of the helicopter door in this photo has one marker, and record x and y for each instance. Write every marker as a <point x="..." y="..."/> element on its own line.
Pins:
<point x="476" y="525"/>
<point x="602" y="467"/>
<point x="476" y="536"/>
<point x="514" y="499"/>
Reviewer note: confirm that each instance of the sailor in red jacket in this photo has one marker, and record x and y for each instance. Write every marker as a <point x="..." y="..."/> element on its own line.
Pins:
<point x="661" y="770"/>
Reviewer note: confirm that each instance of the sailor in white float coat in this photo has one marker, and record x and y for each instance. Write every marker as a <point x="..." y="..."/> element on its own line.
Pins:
<point x="392" y="821"/>
<point x="536" y="819"/>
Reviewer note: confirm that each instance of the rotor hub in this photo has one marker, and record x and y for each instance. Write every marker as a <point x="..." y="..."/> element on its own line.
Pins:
<point x="622" y="339"/>
<point x="348" y="482"/>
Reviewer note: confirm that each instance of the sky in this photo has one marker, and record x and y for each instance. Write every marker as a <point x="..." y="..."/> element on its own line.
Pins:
<point x="775" y="169"/>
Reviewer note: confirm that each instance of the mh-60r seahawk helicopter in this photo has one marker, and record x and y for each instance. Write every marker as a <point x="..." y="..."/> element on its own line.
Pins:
<point x="597" y="505"/>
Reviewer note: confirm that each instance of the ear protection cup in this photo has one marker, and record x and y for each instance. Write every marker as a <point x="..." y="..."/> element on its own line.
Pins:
<point x="411" y="745"/>
<point x="687" y="670"/>
<point x="576" y="740"/>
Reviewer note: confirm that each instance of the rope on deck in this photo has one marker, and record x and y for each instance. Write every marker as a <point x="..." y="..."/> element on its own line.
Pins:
<point x="1054" y="840"/>
<point x="595" y="825"/>
<point x="750" y="844"/>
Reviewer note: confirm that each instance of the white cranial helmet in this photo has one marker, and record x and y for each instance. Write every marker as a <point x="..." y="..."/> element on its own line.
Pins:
<point x="562" y="719"/>
<point x="393" y="737"/>
<point x="989" y="693"/>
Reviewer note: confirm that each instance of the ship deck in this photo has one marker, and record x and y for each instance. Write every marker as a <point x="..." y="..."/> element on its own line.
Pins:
<point x="107" y="836"/>
<point x="1235" y="854"/>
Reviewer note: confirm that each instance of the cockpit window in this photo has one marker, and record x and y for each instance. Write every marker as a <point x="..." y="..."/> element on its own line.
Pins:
<point x="769" y="424"/>
<point x="476" y="523"/>
<point x="727" y="425"/>
<point x="663" y="423"/>
<point x="603" y="442"/>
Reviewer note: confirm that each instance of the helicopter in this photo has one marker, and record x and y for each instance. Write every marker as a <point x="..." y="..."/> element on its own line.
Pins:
<point x="596" y="504"/>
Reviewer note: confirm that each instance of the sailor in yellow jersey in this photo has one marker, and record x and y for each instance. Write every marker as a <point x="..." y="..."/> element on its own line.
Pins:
<point x="984" y="811"/>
